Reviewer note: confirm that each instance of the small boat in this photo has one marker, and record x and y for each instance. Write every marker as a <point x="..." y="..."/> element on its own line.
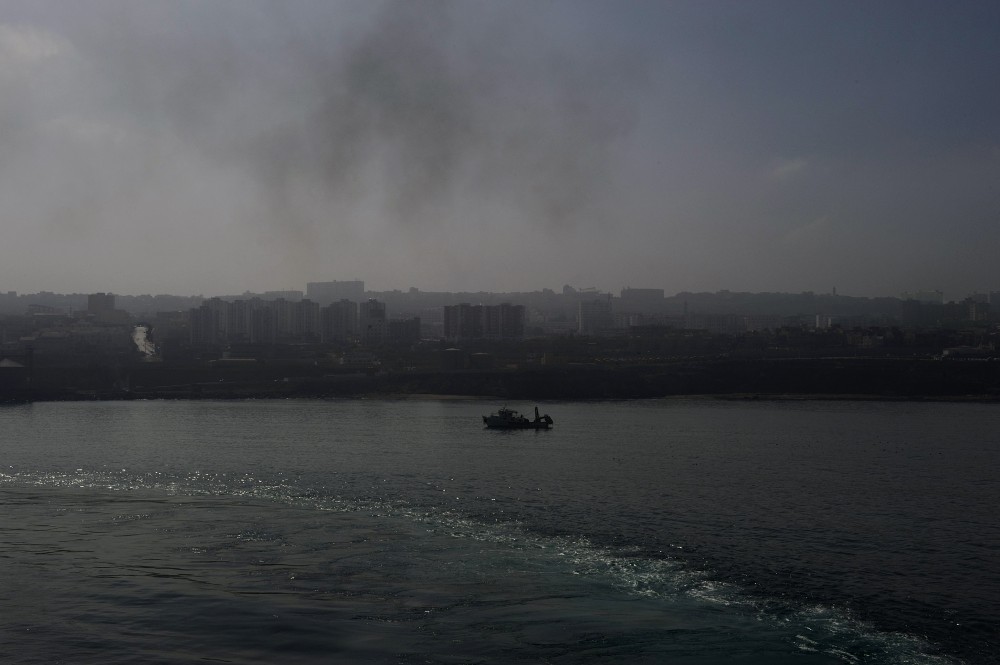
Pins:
<point x="510" y="419"/>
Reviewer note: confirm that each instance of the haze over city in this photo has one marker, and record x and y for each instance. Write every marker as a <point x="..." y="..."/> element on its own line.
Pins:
<point x="187" y="147"/>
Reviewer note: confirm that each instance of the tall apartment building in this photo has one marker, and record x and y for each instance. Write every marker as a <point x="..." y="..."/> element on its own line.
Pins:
<point x="404" y="331"/>
<point x="326" y="293"/>
<point x="239" y="316"/>
<point x="98" y="303"/>
<point x="296" y="321"/>
<point x="208" y="322"/>
<point x="509" y="324"/>
<point x="339" y="321"/>
<point x="101" y="308"/>
<point x="465" y="321"/>
<point x="255" y="320"/>
<point x="373" y="322"/>
<point x="594" y="316"/>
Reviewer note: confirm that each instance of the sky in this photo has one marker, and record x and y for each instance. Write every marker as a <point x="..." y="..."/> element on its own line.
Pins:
<point x="191" y="147"/>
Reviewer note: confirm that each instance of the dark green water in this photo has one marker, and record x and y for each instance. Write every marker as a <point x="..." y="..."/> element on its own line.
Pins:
<point x="400" y="531"/>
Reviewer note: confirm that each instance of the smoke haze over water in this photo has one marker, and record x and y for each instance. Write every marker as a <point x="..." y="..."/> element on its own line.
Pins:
<point x="215" y="147"/>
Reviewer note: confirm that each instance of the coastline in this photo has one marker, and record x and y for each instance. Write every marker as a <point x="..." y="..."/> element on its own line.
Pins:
<point x="443" y="397"/>
<point x="886" y="379"/>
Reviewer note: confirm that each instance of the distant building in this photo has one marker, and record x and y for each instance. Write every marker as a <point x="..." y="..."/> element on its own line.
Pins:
<point x="101" y="309"/>
<point x="8" y="302"/>
<point x="373" y="322"/>
<point x="208" y="322"/>
<point x="98" y="303"/>
<point x="326" y="293"/>
<point x="511" y="321"/>
<point x="823" y="322"/>
<point x="404" y="331"/>
<point x="976" y="309"/>
<point x="255" y="320"/>
<point x="465" y="321"/>
<point x="295" y="321"/>
<point x="929" y="297"/>
<point x="292" y="295"/>
<point x="239" y="317"/>
<point x="339" y="321"/>
<point x="641" y="300"/>
<point x="594" y="316"/>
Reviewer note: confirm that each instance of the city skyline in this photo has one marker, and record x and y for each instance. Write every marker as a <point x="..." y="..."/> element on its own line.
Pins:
<point x="193" y="148"/>
<point x="360" y="291"/>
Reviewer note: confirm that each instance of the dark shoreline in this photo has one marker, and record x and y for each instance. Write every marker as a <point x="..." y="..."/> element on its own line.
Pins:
<point x="830" y="379"/>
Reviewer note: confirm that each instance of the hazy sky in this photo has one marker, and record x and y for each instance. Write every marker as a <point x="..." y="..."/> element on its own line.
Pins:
<point x="216" y="147"/>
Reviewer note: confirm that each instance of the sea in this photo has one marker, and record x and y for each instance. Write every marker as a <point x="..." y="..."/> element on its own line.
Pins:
<point x="678" y="531"/>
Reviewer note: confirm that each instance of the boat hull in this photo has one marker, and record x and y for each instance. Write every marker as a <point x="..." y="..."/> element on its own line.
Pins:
<point x="510" y="419"/>
<point x="527" y="425"/>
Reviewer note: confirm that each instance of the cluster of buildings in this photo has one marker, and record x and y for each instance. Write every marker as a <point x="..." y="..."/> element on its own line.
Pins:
<point x="260" y="321"/>
<point x="337" y="312"/>
<point x="330" y="312"/>
<point x="466" y="321"/>
<point x="340" y="312"/>
<point x="931" y="311"/>
<point x="344" y="312"/>
<point x="101" y="331"/>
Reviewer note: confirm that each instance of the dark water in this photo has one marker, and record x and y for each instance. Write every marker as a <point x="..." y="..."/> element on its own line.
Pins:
<point x="401" y="532"/>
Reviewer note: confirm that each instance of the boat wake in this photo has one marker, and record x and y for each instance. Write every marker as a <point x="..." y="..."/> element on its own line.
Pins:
<point x="659" y="577"/>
